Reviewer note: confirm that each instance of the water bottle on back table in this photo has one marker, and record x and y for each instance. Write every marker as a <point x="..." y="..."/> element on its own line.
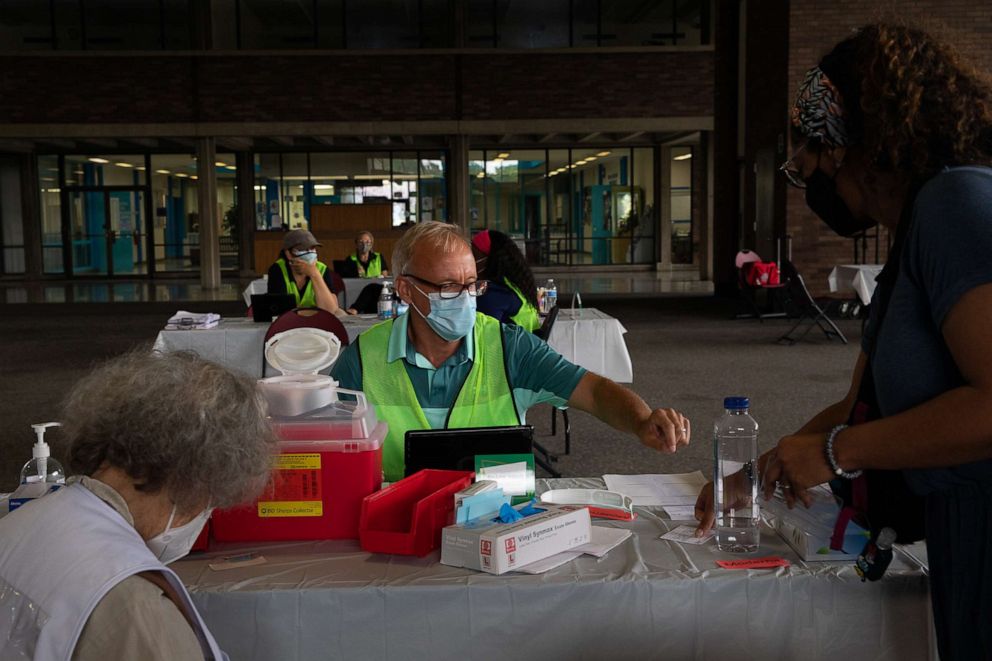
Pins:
<point x="735" y="478"/>
<point x="386" y="310"/>
<point x="550" y="295"/>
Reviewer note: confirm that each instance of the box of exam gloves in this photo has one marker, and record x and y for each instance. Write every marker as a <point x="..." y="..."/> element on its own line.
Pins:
<point x="488" y="545"/>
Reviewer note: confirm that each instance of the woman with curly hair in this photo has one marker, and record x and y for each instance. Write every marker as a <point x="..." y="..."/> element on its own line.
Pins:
<point x="897" y="130"/>
<point x="512" y="294"/>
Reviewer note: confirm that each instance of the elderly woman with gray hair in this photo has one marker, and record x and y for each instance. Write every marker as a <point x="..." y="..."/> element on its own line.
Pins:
<point x="156" y="441"/>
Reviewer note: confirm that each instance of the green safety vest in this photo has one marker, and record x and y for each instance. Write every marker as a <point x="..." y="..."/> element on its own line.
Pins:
<point x="485" y="398"/>
<point x="309" y="298"/>
<point x="526" y="317"/>
<point x="373" y="270"/>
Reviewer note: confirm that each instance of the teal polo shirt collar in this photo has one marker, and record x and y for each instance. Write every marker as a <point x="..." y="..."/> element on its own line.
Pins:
<point x="400" y="347"/>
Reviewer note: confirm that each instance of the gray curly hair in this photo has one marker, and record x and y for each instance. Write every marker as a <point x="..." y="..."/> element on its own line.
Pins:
<point x="172" y="421"/>
<point x="443" y="237"/>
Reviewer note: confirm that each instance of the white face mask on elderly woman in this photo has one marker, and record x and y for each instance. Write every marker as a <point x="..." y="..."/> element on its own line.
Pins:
<point x="174" y="543"/>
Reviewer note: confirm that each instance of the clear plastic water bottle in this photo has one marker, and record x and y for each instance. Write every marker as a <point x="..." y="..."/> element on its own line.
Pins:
<point x="550" y="295"/>
<point x="386" y="310"/>
<point x="735" y="478"/>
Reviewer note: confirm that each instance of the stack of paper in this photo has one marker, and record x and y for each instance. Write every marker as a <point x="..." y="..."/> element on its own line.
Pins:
<point x="603" y="541"/>
<point x="677" y="493"/>
<point x="183" y="320"/>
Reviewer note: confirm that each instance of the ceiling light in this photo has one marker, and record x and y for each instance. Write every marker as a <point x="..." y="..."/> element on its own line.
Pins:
<point x="503" y="154"/>
<point x="193" y="177"/>
<point x="230" y="167"/>
<point x="122" y="164"/>
<point x="323" y="186"/>
<point x="220" y="164"/>
<point x="683" y="157"/>
<point x="98" y="160"/>
<point x="181" y="174"/>
<point x="162" y="172"/>
<point x="590" y="159"/>
<point x="140" y="168"/>
<point x="603" y="153"/>
<point x="48" y="178"/>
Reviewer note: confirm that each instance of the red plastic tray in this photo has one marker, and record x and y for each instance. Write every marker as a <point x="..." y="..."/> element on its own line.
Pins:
<point x="406" y="517"/>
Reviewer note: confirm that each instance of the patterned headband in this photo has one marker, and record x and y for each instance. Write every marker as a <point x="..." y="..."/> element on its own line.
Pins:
<point x="819" y="110"/>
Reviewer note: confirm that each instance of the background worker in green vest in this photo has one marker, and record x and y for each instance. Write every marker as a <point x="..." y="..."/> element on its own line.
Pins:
<point x="512" y="294"/>
<point x="443" y="365"/>
<point x="298" y="272"/>
<point x="368" y="264"/>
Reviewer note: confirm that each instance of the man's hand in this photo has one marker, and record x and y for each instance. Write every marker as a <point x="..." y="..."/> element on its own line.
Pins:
<point x="302" y="267"/>
<point x="664" y="430"/>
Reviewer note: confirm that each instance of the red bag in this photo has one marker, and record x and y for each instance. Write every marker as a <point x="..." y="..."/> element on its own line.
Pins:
<point x="762" y="274"/>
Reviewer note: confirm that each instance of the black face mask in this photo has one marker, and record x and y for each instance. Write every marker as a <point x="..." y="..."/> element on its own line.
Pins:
<point x="823" y="200"/>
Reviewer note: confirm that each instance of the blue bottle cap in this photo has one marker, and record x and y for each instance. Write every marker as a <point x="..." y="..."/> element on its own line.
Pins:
<point x="736" y="403"/>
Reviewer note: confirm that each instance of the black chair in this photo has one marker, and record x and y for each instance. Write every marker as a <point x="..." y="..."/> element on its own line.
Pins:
<point x="808" y="309"/>
<point x="543" y="456"/>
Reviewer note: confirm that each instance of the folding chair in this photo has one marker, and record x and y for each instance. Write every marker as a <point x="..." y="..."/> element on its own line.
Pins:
<point x="809" y="310"/>
<point x="744" y="261"/>
<point x="305" y="318"/>
<point x="543" y="456"/>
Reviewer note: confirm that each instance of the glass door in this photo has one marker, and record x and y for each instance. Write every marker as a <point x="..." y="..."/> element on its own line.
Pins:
<point x="107" y="229"/>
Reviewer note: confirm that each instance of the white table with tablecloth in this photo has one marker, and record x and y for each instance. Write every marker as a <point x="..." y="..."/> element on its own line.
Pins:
<point x="588" y="337"/>
<point x="646" y="599"/>
<point x="859" y="278"/>
<point x="352" y="288"/>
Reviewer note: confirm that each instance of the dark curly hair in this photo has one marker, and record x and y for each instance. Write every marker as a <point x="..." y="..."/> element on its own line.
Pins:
<point x="506" y="261"/>
<point x="913" y="103"/>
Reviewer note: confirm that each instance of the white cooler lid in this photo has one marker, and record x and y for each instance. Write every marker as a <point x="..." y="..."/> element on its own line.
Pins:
<point x="302" y="350"/>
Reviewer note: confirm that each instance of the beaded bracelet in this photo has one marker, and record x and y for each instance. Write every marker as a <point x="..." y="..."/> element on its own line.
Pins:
<point x="832" y="460"/>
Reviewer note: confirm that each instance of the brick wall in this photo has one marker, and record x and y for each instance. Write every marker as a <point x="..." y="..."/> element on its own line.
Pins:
<point x="314" y="88"/>
<point x="814" y="27"/>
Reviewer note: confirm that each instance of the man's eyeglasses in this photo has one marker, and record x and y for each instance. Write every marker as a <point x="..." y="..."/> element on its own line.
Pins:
<point x="453" y="289"/>
<point x="792" y="173"/>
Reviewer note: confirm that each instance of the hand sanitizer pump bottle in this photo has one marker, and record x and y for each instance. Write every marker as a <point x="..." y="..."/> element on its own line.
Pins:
<point x="42" y="468"/>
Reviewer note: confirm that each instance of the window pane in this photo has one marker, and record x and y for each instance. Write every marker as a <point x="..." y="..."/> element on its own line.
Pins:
<point x="26" y="25"/>
<point x="480" y="24"/>
<point x="68" y="25"/>
<point x="383" y="24"/>
<point x="477" y="190"/>
<point x="116" y="25"/>
<point x="637" y="23"/>
<point x="51" y="214"/>
<point x="176" y="24"/>
<point x="433" y="188"/>
<point x="437" y="23"/>
<point x="176" y="225"/>
<point x="224" y="24"/>
<point x="12" y="231"/>
<point x="503" y="195"/>
<point x="295" y="206"/>
<point x="562" y="236"/>
<point x="681" y="203"/>
<point x="405" y="193"/>
<point x="585" y="17"/>
<point x="533" y="24"/>
<point x="692" y="23"/>
<point x="276" y="24"/>
<point x="643" y="220"/>
<point x="330" y="24"/>
<point x="267" y="192"/>
<point x="227" y="210"/>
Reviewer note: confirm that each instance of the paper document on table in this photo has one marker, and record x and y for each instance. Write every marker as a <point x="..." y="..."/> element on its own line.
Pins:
<point x="687" y="535"/>
<point x="603" y="540"/>
<point x="656" y="490"/>
<point x="549" y="563"/>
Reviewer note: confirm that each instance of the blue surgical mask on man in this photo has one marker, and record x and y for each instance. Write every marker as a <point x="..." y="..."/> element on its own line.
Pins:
<point x="450" y="318"/>
<point x="308" y="256"/>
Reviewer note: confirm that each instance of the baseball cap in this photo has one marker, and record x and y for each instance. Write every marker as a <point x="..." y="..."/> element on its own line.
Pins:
<point x="299" y="238"/>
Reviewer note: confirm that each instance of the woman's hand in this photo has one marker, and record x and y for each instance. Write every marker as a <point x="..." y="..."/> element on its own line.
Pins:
<point x="737" y="488"/>
<point x="799" y="462"/>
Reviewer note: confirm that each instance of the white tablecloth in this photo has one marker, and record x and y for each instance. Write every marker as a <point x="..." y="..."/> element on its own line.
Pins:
<point x="352" y="288"/>
<point x="859" y="278"/>
<point x="647" y="599"/>
<point x="590" y="338"/>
